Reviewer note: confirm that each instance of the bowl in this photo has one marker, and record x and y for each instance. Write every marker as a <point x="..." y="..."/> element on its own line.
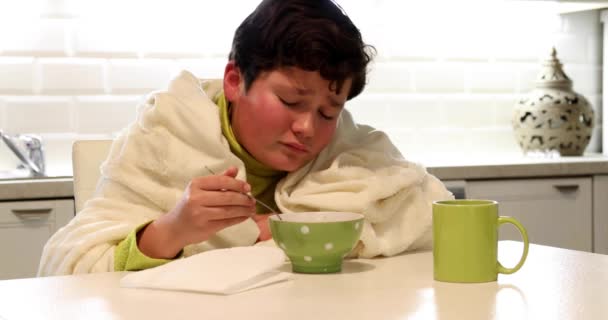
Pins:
<point x="316" y="242"/>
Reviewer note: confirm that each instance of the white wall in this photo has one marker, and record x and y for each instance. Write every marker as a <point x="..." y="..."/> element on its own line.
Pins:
<point x="445" y="80"/>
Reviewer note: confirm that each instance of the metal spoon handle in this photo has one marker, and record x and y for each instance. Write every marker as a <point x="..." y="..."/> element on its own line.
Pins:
<point x="254" y="198"/>
<point x="262" y="203"/>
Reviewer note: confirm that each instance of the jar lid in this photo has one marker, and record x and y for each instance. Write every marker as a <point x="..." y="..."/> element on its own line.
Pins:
<point x="552" y="75"/>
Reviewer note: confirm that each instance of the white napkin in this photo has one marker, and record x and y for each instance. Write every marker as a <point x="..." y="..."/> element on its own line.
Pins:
<point x="221" y="271"/>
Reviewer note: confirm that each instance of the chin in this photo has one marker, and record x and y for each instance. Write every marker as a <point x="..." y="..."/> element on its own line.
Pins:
<point x="287" y="165"/>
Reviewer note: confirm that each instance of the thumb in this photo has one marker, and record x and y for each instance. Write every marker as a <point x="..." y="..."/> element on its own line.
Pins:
<point x="231" y="172"/>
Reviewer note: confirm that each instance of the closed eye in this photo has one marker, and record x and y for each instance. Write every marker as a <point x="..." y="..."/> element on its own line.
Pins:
<point x="324" y="116"/>
<point x="288" y="103"/>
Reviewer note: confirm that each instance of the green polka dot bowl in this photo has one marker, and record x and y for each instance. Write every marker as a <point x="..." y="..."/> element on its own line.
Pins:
<point x="316" y="242"/>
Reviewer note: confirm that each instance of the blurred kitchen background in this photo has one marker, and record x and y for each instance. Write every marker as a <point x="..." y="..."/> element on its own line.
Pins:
<point x="444" y="83"/>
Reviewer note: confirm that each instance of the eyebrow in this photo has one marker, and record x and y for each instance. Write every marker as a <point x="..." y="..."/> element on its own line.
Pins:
<point x="333" y="102"/>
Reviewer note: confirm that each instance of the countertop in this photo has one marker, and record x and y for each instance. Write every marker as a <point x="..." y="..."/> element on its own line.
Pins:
<point x="34" y="189"/>
<point x="553" y="283"/>
<point x="513" y="166"/>
<point x="445" y="167"/>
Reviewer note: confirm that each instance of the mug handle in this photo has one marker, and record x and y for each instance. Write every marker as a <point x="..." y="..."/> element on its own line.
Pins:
<point x="524" y="235"/>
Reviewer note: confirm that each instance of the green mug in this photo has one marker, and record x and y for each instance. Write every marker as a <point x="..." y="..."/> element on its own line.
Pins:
<point x="465" y="241"/>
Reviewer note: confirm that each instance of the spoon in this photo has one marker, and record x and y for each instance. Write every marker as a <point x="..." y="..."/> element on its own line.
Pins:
<point x="254" y="198"/>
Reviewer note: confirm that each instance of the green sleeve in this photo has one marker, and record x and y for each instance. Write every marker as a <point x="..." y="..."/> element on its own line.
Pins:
<point x="127" y="256"/>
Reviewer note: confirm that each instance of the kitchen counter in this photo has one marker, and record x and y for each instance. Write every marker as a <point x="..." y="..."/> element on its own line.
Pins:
<point x="513" y="166"/>
<point x="34" y="189"/>
<point x="445" y="167"/>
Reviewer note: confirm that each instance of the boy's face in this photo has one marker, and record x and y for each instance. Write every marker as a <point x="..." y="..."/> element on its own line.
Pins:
<point x="286" y="117"/>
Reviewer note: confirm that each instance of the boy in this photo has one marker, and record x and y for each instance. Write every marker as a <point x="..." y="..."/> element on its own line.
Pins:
<point x="273" y="127"/>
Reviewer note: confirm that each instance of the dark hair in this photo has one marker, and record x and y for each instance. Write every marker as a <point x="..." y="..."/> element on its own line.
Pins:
<point x="314" y="35"/>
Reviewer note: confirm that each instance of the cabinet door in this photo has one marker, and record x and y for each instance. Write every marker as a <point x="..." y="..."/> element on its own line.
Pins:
<point x="555" y="212"/>
<point x="600" y="214"/>
<point x="25" y="226"/>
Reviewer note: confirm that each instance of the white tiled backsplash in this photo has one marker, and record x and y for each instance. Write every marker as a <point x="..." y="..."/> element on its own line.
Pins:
<point x="444" y="81"/>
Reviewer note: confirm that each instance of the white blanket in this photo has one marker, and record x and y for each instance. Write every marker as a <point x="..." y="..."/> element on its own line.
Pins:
<point x="177" y="132"/>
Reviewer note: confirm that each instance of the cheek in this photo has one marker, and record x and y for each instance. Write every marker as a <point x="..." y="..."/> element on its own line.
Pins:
<point x="325" y="133"/>
<point x="272" y="114"/>
<point x="265" y="116"/>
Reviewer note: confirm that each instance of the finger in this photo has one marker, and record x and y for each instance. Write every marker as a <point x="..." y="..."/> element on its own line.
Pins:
<point x="260" y="217"/>
<point x="217" y="183"/>
<point x="225" y="198"/>
<point x="228" y="212"/>
<point x="231" y="172"/>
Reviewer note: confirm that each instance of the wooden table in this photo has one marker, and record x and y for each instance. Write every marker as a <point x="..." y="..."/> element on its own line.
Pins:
<point x="553" y="284"/>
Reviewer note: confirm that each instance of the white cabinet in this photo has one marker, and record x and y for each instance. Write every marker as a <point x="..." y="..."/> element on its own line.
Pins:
<point x="25" y="226"/>
<point x="600" y="214"/>
<point x="556" y="212"/>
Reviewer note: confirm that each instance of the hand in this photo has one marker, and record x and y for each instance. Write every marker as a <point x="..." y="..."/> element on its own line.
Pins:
<point x="208" y="205"/>
<point x="262" y="221"/>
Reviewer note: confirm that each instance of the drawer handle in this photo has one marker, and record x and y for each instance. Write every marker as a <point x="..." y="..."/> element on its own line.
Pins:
<point x="566" y="187"/>
<point x="38" y="211"/>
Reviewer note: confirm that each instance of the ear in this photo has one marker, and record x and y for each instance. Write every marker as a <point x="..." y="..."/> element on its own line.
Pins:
<point x="233" y="82"/>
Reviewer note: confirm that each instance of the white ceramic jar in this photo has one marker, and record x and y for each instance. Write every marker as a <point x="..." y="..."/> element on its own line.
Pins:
<point x="552" y="117"/>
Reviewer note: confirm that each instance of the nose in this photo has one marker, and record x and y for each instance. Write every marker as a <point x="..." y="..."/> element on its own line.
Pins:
<point x="303" y="125"/>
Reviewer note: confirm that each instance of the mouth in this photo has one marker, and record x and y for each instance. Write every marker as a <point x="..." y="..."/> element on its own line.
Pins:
<point x="297" y="147"/>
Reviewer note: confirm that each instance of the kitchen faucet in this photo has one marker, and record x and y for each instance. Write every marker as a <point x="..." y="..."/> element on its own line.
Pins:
<point x="33" y="158"/>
